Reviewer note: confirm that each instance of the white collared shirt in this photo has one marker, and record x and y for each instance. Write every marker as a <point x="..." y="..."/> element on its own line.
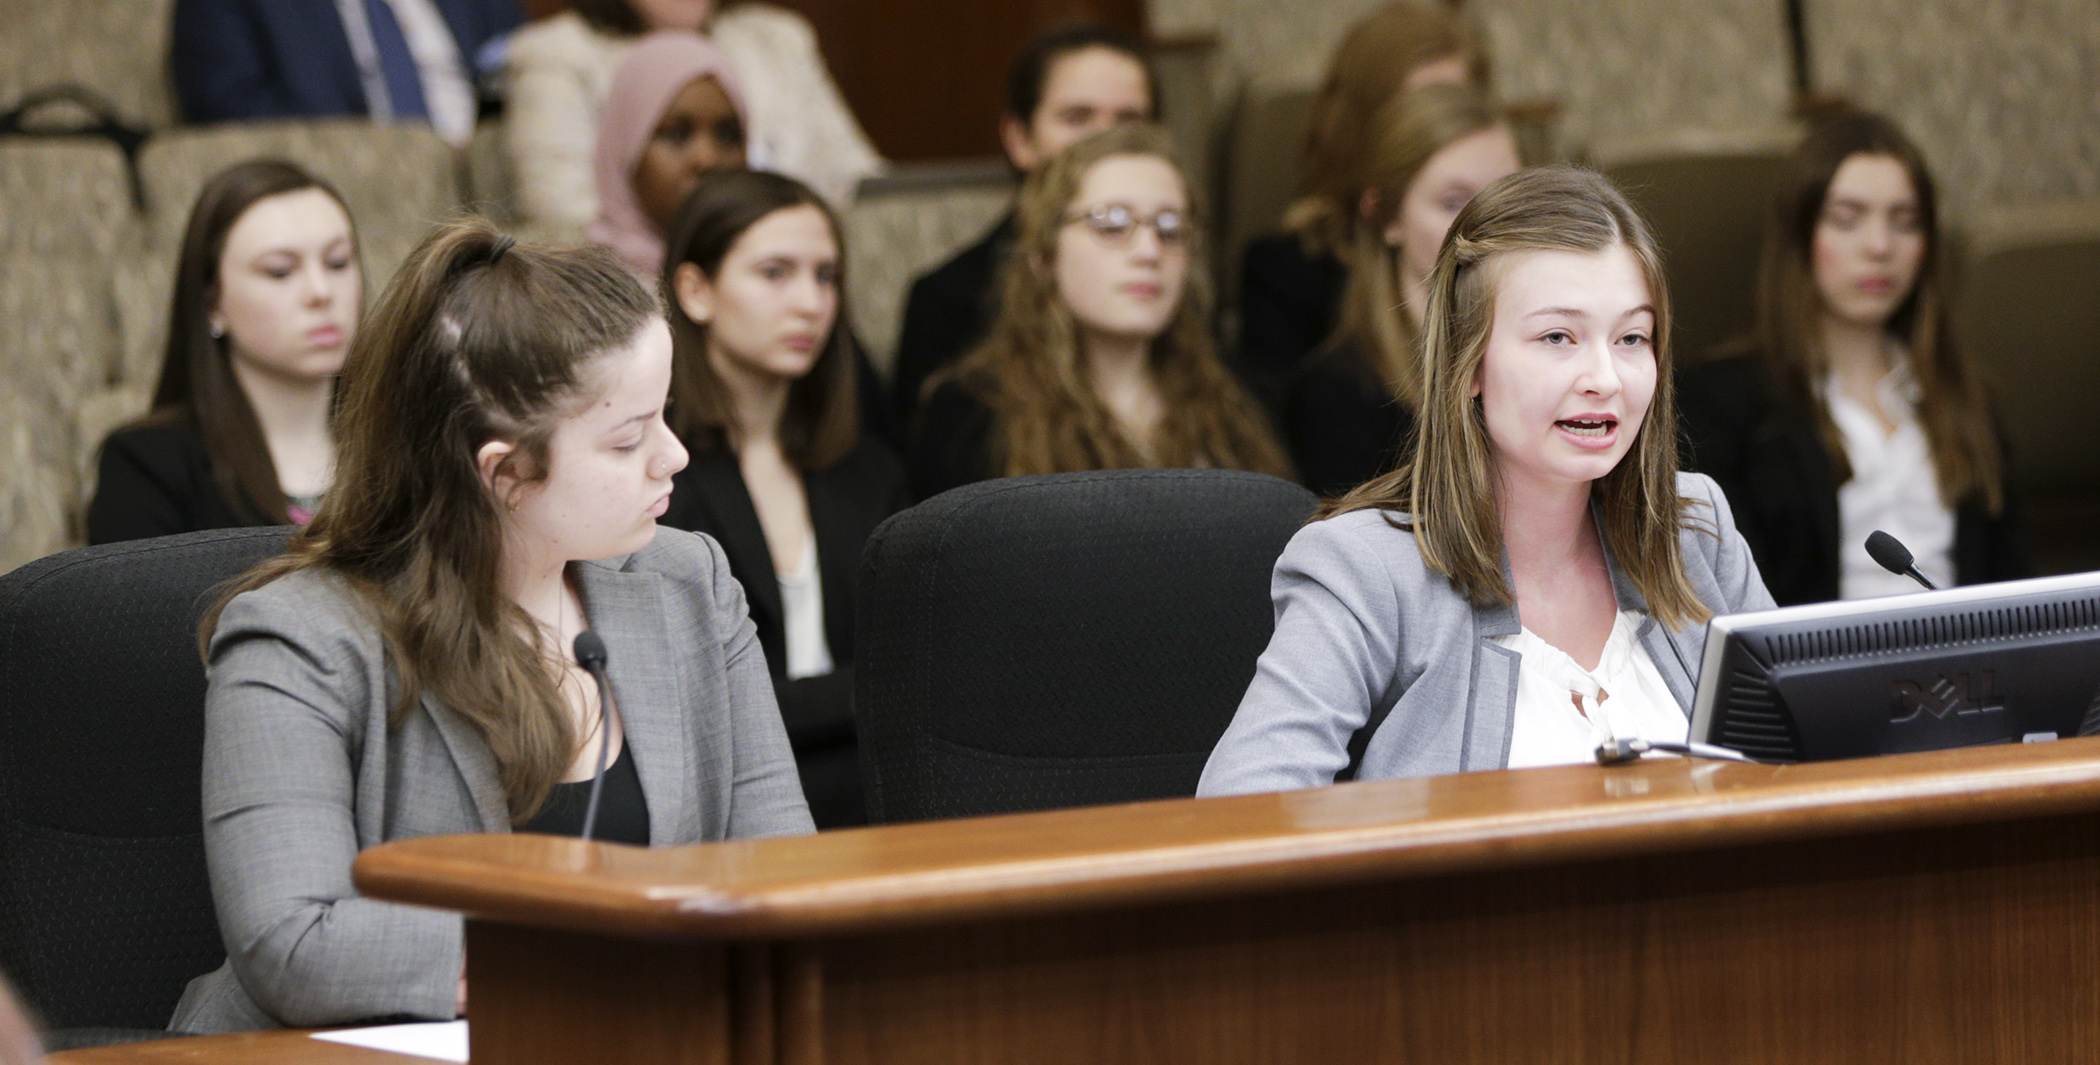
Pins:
<point x="1894" y="488"/>
<point x="1623" y="698"/>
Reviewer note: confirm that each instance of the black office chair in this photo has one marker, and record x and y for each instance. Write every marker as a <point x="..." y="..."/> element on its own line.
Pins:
<point x="105" y="908"/>
<point x="1040" y="642"/>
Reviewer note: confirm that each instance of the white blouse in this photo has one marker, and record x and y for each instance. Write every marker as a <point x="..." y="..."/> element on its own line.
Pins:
<point x="1894" y="488"/>
<point x="802" y="617"/>
<point x="1623" y="698"/>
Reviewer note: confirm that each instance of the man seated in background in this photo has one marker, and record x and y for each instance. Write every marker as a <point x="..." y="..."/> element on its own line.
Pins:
<point x="1069" y="84"/>
<point x="393" y="60"/>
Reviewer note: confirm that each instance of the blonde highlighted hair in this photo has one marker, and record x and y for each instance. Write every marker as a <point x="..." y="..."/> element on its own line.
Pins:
<point x="1447" y="492"/>
<point x="1031" y="373"/>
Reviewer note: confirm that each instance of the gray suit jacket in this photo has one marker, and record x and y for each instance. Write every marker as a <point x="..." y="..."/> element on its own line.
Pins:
<point x="1364" y="629"/>
<point x="302" y="771"/>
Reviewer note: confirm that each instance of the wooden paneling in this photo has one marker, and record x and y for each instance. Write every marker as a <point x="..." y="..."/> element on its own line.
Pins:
<point x="1004" y="867"/>
<point x="927" y="79"/>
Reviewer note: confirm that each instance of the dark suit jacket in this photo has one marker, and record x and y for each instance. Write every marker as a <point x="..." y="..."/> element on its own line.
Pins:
<point x="953" y="442"/>
<point x="846" y="502"/>
<point x="950" y="309"/>
<point x="156" y="480"/>
<point x="1289" y="303"/>
<point x="1342" y="425"/>
<point x="249" y="59"/>
<point x="1764" y="452"/>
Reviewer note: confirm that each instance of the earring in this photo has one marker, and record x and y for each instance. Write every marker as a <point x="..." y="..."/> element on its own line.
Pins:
<point x="218" y="331"/>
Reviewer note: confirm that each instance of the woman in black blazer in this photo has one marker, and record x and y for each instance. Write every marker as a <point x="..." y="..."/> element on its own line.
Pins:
<point x="782" y="472"/>
<point x="1852" y="408"/>
<point x="268" y="292"/>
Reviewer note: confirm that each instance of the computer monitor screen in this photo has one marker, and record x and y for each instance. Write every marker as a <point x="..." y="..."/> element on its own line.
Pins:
<point x="1991" y="663"/>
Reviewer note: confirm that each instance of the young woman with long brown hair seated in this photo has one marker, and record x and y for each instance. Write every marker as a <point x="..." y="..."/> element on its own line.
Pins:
<point x="783" y="473"/>
<point x="1853" y="408"/>
<point x="1349" y="409"/>
<point x="405" y="669"/>
<point x="268" y="291"/>
<point x="1101" y="357"/>
<point x="1537" y="579"/>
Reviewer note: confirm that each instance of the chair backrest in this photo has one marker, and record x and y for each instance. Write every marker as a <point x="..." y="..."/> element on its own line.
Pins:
<point x="1032" y="643"/>
<point x="1264" y="145"/>
<point x="902" y="225"/>
<point x="2027" y="312"/>
<point x="105" y="907"/>
<point x="1707" y="199"/>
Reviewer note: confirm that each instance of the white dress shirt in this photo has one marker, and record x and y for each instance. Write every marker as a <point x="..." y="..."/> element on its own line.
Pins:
<point x="802" y="617"/>
<point x="1623" y="698"/>
<point x="448" y="93"/>
<point x="1894" y="488"/>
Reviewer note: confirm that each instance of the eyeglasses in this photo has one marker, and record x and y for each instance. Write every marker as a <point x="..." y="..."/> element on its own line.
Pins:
<point x="1117" y="225"/>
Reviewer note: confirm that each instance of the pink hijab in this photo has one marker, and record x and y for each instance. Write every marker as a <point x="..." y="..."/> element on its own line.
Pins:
<point x="656" y="69"/>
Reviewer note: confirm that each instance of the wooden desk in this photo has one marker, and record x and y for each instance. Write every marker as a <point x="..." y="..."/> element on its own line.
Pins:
<point x="245" y="1048"/>
<point x="1926" y="908"/>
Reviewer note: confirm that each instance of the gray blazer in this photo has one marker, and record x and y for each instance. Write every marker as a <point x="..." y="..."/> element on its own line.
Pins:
<point x="1364" y="629"/>
<point x="301" y="772"/>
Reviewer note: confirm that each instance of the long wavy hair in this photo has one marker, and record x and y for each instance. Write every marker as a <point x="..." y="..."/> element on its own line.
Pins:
<point x="469" y="343"/>
<point x="1375" y="325"/>
<point x="1447" y="492"/>
<point x="197" y="387"/>
<point x="1369" y="68"/>
<point x="1951" y="404"/>
<point x="822" y="421"/>
<point x="1030" y="372"/>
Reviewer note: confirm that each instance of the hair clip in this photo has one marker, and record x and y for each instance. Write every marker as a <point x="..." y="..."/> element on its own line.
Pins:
<point x="503" y="244"/>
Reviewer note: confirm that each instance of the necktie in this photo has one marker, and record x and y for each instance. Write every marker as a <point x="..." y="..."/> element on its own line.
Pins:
<point x="404" y="86"/>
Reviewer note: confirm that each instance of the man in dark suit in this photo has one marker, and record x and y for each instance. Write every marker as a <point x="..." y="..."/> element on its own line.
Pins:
<point x="1070" y="84"/>
<point x="252" y="59"/>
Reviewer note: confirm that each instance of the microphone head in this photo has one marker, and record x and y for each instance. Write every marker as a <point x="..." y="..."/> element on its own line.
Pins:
<point x="1889" y="552"/>
<point x="590" y="650"/>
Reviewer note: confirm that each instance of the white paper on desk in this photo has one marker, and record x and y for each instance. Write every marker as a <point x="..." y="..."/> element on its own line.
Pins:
<point x="443" y="1040"/>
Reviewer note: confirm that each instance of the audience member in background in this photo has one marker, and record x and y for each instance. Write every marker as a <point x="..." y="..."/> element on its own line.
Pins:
<point x="1101" y="357"/>
<point x="1291" y="283"/>
<point x="267" y="297"/>
<point x="1852" y="408"/>
<point x="1538" y="578"/>
<point x="18" y="1039"/>
<point x="405" y="669"/>
<point x="1350" y="406"/>
<point x="674" y="114"/>
<point x="1070" y="84"/>
<point x="782" y="474"/>
<point x="394" y="60"/>
<point x="561" y="71"/>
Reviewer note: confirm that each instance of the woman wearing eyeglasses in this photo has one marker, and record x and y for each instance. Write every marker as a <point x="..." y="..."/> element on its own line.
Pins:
<point x="1100" y="358"/>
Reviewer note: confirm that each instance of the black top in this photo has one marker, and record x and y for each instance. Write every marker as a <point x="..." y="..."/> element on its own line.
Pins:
<point x="1763" y="450"/>
<point x="949" y="310"/>
<point x="156" y="480"/>
<point x="1342" y="425"/>
<point x="1289" y="305"/>
<point x="623" y="811"/>
<point x="952" y="444"/>
<point x="846" y="502"/>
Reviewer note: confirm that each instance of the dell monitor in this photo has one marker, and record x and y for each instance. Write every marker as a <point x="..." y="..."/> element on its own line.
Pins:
<point x="2013" y="662"/>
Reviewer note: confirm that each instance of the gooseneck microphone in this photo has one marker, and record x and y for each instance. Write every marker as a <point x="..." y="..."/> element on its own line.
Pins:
<point x="1890" y="554"/>
<point x="590" y="654"/>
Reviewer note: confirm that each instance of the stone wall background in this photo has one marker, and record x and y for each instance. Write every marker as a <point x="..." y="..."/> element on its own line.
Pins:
<point x="2004" y="96"/>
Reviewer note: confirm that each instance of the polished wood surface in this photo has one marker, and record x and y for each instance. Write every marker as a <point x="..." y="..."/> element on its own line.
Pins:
<point x="870" y="879"/>
<point x="1925" y="909"/>
<point x="283" y="1047"/>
